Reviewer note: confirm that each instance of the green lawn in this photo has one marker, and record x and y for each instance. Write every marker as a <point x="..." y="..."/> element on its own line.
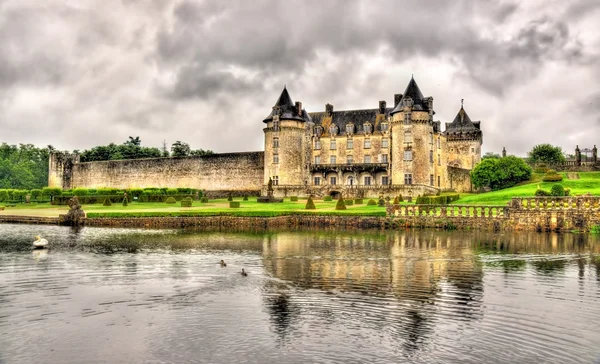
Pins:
<point x="588" y="182"/>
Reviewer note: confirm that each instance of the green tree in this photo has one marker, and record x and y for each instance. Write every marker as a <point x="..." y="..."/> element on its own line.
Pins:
<point x="201" y="152"/>
<point x="546" y="153"/>
<point x="491" y="155"/>
<point x="180" y="149"/>
<point x="500" y="173"/>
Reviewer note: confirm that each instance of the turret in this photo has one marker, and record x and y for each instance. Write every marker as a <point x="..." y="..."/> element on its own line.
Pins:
<point x="464" y="141"/>
<point x="286" y="142"/>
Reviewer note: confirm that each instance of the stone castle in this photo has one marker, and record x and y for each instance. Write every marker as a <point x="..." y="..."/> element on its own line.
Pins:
<point x="358" y="153"/>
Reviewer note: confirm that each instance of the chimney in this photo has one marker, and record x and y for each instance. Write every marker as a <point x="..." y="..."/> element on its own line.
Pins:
<point x="329" y="109"/>
<point x="382" y="107"/>
<point x="299" y="108"/>
<point x="397" y="98"/>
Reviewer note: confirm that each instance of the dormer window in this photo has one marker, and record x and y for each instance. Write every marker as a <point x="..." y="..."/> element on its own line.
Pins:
<point x="368" y="128"/>
<point x="318" y="131"/>
<point x="333" y="129"/>
<point x="384" y="126"/>
<point x="349" y="129"/>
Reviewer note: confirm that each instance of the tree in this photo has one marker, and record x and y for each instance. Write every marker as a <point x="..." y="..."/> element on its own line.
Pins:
<point x="201" y="152"/>
<point x="491" y="155"/>
<point x="180" y="149"/>
<point x="546" y="153"/>
<point x="500" y="173"/>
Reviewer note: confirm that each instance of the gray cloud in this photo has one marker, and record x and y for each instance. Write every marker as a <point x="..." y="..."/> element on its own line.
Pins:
<point x="88" y="73"/>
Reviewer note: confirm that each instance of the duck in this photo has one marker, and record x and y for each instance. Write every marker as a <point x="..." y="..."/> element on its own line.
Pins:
<point x="244" y="274"/>
<point x="223" y="264"/>
<point x="40" y="243"/>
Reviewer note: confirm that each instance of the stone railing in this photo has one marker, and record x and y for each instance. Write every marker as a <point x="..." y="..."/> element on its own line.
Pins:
<point x="556" y="203"/>
<point x="449" y="211"/>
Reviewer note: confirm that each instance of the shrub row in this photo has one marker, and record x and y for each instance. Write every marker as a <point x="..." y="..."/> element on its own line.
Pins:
<point x="239" y="213"/>
<point x="437" y="200"/>
<point x="552" y="176"/>
<point x="557" y="190"/>
<point x="64" y="200"/>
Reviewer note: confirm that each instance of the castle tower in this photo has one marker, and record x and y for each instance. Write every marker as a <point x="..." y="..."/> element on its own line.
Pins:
<point x="464" y="141"/>
<point x="412" y="128"/>
<point x="286" y="142"/>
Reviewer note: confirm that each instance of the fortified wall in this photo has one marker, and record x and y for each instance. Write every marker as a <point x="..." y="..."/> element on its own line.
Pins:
<point x="217" y="172"/>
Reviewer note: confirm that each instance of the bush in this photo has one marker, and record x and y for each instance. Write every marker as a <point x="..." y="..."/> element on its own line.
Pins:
<point x="500" y="173"/>
<point x="234" y="204"/>
<point x="396" y="200"/>
<point x="540" y="193"/>
<point x="567" y="191"/>
<point x="80" y="192"/>
<point x="557" y="190"/>
<point x="541" y="168"/>
<point x="327" y="198"/>
<point x="371" y="202"/>
<point x="358" y="201"/>
<point x="172" y="191"/>
<point x="107" y="202"/>
<point x="349" y="202"/>
<point x="340" y="204"/>
<point x="136" y="192"/>
<point x="19" y="194"/>
<point x="245" y="198"/>
<point x="171" y="200"/>
<point x="230" y="198"/>
<point x="552" y="176"/>
<point x="50" y="192"/>
<point x="125" y="202"/>
<point x="400" y="199"/>
<point x="381" y="202"/>
<point x="36" y="194"/>
<point x="293" y="198"/>
<point x="203" y="199"/>
<point x="186" y="202"/>
<point x="310" y="204"/>
<point x="3" y="195"/>
<point x="107" y="191"/>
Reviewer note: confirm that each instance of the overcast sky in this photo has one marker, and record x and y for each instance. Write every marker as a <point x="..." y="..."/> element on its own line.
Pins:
<point x="81" y="73"/>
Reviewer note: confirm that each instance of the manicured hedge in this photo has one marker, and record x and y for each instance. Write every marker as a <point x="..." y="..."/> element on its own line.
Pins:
<point x="90" y="199"/>
<point x="293" y="198"/>
<point x="234" y="204"/>
<point x="327" y="198"/>
<point x="372" y="203"/>
<point x="358" y="201"/>
<point x="240" y="213"/>
<point x="349" y="202"/>
<point x="436" y="200"/>
<point x="186" y="202"/>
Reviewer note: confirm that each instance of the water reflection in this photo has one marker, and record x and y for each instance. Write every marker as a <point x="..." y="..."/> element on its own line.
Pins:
<point x="316" y="296"/>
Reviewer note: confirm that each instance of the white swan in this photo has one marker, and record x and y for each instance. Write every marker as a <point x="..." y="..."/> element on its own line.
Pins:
<point x="40" y="243"/>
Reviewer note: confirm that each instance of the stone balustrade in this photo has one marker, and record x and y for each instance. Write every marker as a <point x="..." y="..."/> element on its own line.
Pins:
<point x="556" y="203"/>
<point x="450" y="211"/>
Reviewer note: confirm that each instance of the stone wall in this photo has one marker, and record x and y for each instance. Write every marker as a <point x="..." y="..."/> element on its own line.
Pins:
<point x="217" y="172"/>
<point x="354" y="191"/>
<point x="459" y="179"/>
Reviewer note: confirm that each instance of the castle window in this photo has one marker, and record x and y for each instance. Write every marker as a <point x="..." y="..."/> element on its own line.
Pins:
<point x="275" y="125"/>
<point x="332" y="159"/>
<point x="439" y="181"/>
<point x="367" y="180"/>
<point x="407" y="136"/>
<point x="349" y="159"/>
<point x="367" y="143"/>
<point x="384" y="158"/>
<point x="317" y="144"/>
<point x="439" y="160"/>
<point x="317" y="159"/>
<point x="317" y="181"/>
<point x="275" y="142"/>
<point x="275" y="180"/>
<point x="385" y="143"/>
<point x="350" y="144"/>
<point x="408" y="179"/>
<point x="431" y="179"/>
<point x="408" y="155"/>
<point x="384" y="126"/>
<point x="472" y="150"/>
<point x="333" y="181"/>
<point x="407" y="118"/>
<point x="367" y="159"/>
<point x="332" y="144"/>
<point x="275" y="158"/>
<point x="431" y="156"/>
<point x="385" y="180"/>
<point x="430" y="138"/>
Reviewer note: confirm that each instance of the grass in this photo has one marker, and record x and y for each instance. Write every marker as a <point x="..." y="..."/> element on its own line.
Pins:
<point x="588" y="182"/>
<point x="219" y="207"/>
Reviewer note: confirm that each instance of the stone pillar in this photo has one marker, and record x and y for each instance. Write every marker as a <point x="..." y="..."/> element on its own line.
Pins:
<point x="503" y="152"/>
<point x="595" y="154"/>
<point x="578" y="155"/>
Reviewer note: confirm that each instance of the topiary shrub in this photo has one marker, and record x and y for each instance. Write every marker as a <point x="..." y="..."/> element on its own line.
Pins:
<point x="349" y="202"/>
<point x="80" y="191"/>
<point x="541" y="168"/>
<point x="552" y="176"/>
<point x="371" y="202"/>
<point x="540" y="193"/>
<point x="310" y="204"/>
<point x="125" y="202"/>
<point x="234" y="204"/>
<point x="327" y="198"/>
<point x="230" y="198"/>
<point x="245" y="198"/>
<point x="3" y="195"/>
<point x="396" y="200"/>
<point x="204" y="200"/>
<point x="340" y="204"/>
<point x="358" y="201"/>
<point x="381" y="202"/>
<point x="567" y="191"/>
<point x="293" y="198"/>
<point x="557" y="190"/>
<point x="186" y="202"/>
<point x="107" y="202"/>
<point x="400" y="199"/>
<point x="171" y="200"/>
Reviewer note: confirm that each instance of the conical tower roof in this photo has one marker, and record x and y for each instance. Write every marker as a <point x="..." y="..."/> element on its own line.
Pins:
<point x="462" y="127"/>
<point x="414" y="92"/>
<point x="287" y="108"/>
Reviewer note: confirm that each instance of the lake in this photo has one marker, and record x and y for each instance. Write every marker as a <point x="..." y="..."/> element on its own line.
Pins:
<point x="105" y="295"/>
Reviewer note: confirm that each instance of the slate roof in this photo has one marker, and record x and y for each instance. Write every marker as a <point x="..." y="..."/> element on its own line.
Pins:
<point x="462" y="126"/>
<point x="412" y="91"/>
<point x="358" y="117"/>
<point x="287" y="106"/>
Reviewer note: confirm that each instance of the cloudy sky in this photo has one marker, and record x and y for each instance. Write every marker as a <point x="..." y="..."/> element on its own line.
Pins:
<point x="81" y="73"/>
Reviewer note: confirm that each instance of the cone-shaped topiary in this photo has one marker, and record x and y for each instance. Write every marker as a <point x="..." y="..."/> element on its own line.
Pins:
<point x="310" y="204"/>
<point x="125" y="201"/>
<point x="396" y="200"/>
<point x="230" y="198"/>
<point x="340" y="204"/>
<point x="400" y="199"/>
<point x="107" y="202"/>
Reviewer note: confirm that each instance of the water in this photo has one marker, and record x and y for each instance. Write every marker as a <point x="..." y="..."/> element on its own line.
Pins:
<point x="159" y="296"/>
